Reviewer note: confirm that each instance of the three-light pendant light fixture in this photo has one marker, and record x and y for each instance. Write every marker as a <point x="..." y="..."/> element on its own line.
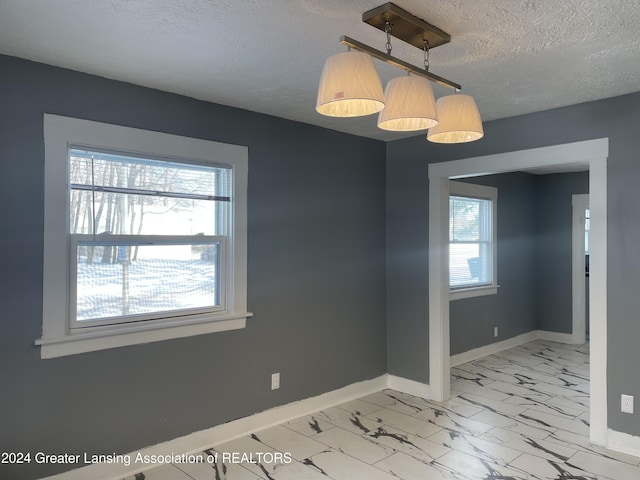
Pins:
<point x="350" y="85"/>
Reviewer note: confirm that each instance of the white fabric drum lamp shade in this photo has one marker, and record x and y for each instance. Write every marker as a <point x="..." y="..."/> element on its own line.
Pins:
<point x="459" y="120"/>
<point x="409" y="105"/>
<point x="349" y="86"/>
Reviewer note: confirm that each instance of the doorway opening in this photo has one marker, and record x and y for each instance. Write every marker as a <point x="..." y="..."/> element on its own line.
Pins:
<point x="592" y="153"/>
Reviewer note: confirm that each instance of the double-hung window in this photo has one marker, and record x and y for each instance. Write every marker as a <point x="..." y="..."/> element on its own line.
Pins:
<point x="145" y="236"/>
<point x="472" y="240"/>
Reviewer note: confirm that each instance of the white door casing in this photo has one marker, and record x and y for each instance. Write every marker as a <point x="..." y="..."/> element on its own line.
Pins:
<point x="593" y="153"/>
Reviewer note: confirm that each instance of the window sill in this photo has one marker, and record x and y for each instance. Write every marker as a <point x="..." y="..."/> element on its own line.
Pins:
<point x="473" y="292"/>
<point x="133" y="334"/>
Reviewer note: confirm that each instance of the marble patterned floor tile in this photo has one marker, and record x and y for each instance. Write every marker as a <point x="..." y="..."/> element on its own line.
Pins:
<point x="524" y="390"/>
<point x="514" y="424"/>
<point x="545" y="407"/>
<point x="475" y="468"/>
<point x="360" y="407"/>
<point x="404" y="467"/>
<point x="502" y="367"/>
<point x="514" y="415"/>
<point x="585" y="417"/>
<point x="576" y="403"/>
<point x="361" y="447"/>
<point x="576" y="375"/>
<point x="517" y="359"/>
<point x="494" y="361"/>
<point x="541" y="469"/>
<point x="382" y="399"/>
<point x="295" y="471"/>
<point x="251" y="447"/>
<point x="218" y="471"/>
<point x="558" y="391"/>
<point x="339" y="466"/>
<point x="283" y="439"/>
<point x="492" y="452"/>
<point x="350" y="420"/>
<point x="465" y="387"/>
<point x="484" y="404"/>
<point x="449" y="420"/>
<point x="525" y="444"/>
<point x="582" y="388"/>
<point x="602" y="466"/>
<point x="581" y="443"/>
<point x="474" y="379"/>
<point x="554" y="422"/>
<point x="164" y="472"/>
<point x="455" y="392"/>
<point x="248" y="444"/>
<point x="309" y="425"/>
<point x="420" y="448"/>
<point x="546" y="368"/>
<point x="459" y="407"/>
<point x="533" y="378"/>
<point x="450" y="406"/>
<point x="502" y="374"/>
<point x="420" y="403"/>
<point x="403" y="403"/>
<point x="406" y="423"/>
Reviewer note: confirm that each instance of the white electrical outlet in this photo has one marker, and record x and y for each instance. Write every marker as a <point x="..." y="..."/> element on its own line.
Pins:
<point x="626" y="403"/>
<point x="495" y="331"/>
<point x="275" y="381"/>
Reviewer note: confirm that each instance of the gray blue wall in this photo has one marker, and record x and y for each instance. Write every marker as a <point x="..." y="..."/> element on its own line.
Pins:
<point x="513" y="308"/>
<point x="554" y="217"/>
<point x="407" y="235"/>
<point x="534" y="261"/>
<point x="316" y="279"/>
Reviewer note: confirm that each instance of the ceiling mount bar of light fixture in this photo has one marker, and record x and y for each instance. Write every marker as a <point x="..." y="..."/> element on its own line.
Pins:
<point x="396" y="62"/>
<point x="406" y="27"/>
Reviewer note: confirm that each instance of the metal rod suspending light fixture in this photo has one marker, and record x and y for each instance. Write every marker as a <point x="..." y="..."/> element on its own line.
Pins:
<point x="410" y="103"/>
<point x="350" y="85"/>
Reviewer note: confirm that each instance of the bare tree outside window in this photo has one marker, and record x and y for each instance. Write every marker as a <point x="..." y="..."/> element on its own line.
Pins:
<point x="149" y="234"/>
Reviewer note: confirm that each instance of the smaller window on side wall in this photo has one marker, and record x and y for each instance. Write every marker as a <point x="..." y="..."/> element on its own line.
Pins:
<point x="472" y="240"/>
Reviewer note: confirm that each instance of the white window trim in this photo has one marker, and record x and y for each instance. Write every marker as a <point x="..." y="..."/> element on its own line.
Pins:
<point x="60" y="132"/>
<point x="491" y="193"/>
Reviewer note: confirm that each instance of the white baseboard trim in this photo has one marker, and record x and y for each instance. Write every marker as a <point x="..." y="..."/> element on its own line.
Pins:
<point x="623" y="443"/>
<point x="492" y="348"/>
<point x="199" y="441"/>
<point x="409" y="386"/>
<point x="556" y="337"/>
<point x="512" y="342"/>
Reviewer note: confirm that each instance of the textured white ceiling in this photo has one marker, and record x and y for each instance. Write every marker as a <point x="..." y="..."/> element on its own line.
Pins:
<point x="513" y="56"/>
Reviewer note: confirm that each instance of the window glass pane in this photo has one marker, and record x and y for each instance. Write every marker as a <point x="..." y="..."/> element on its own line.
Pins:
<point x="125" y="214"/>
<point x="470" y="237"/>
<point x="469" y="264"/>
<point x="81" y="212"/>
<point x="587" y="226"/>
<point x="146" y="196"/>
<point x="464" y="219"/>
<point x="117" y="170"/>
<point x="129" y="280"/>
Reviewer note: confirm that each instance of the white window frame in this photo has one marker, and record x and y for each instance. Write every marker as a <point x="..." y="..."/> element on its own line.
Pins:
<point x="469" y="190"/>
<point x="58" y="338"/>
